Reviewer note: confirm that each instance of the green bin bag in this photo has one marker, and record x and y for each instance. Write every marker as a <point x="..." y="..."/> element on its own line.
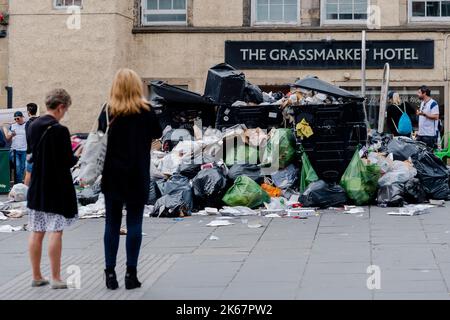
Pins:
<point x="245" y="192"/>
<point x="4" y="171"/>
<point x="282" y="140"/>
<point x="243" y="154"/>
<point x="308" y="174"/>
<point x="360" y="181"/>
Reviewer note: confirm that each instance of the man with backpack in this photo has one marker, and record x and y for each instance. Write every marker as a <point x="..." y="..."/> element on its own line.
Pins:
<point x="428" y="114"/>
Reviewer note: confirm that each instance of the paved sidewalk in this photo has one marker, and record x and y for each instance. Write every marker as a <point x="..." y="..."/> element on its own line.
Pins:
<point x="322" y="257"/>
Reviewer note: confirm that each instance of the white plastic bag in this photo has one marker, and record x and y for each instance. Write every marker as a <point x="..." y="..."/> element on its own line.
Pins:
<point x="18" y="193"/>
<point x="398" y="172"/>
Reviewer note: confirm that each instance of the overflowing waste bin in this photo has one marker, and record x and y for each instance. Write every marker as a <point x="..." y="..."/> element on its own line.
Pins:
<point x="337" y="122"/>
<point x="4" y="171"/>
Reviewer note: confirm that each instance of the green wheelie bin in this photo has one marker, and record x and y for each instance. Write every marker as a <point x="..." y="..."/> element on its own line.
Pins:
<point x="4" y="171"/>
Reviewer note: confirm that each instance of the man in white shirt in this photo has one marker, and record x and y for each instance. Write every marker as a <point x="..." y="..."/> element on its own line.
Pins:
<point x="18" y="153"/>
<point x="428" y="118"/>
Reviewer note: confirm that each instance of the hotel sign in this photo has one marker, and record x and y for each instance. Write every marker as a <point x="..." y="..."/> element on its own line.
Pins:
<point x="400" y="54"/>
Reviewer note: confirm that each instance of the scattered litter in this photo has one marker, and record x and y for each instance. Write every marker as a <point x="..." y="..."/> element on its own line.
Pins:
<point x="412" y="210"/>
<point x="8" y="228"/>
<point x="15" y="213"/>
<point x="178" y="219"/>
<point x="18" y="193"/>
<point x="213" y="238"/>
<point x="211" y="211"/>
<point x="355" y="210"/>
<point x="2" y="216"/>
<point x="200" y="213"/>
<point x="440" y="203"/>
<point x="272" y="215"/>
<point x="255" y="225"/>
<point x="219" y="223"/>
<point x="237" y="211"/>
<point x="301" y="213"/>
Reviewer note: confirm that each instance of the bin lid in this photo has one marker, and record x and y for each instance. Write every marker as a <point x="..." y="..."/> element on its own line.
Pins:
<point x="172" y="94"/>
<point x="312" y="83"/>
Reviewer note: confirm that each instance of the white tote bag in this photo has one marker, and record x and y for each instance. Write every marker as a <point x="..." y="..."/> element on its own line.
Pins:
<point x="94" y="152"/>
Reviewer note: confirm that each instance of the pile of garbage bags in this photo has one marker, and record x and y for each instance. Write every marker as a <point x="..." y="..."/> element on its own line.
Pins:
<point x="256" y="149"/>
<point x="410" y="173"/>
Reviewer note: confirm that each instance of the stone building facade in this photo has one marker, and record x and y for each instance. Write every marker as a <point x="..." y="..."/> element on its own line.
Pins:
<point x="41" y="52"/>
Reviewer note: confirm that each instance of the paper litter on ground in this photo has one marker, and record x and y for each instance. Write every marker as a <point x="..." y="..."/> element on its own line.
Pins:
<point x="272" y="215"/>
<point x="254" y="225"/>
<point x="355" y="210"/>
<point x="237" y="211"/>
<point x="219" y="223"/>
<point x="213" y="238"/>
<point x="412" y="210"/>
<point x="8" y="228"/>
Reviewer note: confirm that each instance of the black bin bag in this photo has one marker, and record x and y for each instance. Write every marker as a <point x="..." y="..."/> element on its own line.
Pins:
<point x="177" y="198"/>
<point x="252" y="171"/>
<point x="224" y="85"/>
<point x="391" y="196"/>
<point x="253" y="93"/>
<point x="433" y="174"/>
<point x="414" y="192"/>
<point x="209" y="187"/>
<point x="402" y="148"/>
<point x="323" y="195"/>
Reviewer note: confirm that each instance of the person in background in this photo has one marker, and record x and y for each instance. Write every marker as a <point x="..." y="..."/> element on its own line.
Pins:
<point x="32" y="109"/>
<point x="18" y="150"/>
<point x="126" y="173"/>
<point x="52" y="202"/>
<point x="395" y="110"/>
<point x="428" y="114"/>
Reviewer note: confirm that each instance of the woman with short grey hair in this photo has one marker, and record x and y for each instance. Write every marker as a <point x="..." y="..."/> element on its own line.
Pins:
<point x="52" y="203"/>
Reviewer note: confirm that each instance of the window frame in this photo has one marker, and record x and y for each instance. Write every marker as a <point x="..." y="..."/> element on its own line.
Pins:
<point x="324" y="21"/>
<point x="56" y="7"/>
<point x="412" y="19"/>
<point x="271" y="23"/>
<point x="145" y="11"/>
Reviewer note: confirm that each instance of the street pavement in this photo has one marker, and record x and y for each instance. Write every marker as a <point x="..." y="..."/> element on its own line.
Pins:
<point x="322" y="257"/>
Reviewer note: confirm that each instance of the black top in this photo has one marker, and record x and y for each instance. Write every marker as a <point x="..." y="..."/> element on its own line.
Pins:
<point x="126" y="174"/>
<point x="394" y="114"/>
<point x="51" y="188"/>
<point x="27" y="126"/>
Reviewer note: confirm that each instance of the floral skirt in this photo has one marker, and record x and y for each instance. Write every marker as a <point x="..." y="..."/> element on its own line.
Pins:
<point x="39" y="221"/>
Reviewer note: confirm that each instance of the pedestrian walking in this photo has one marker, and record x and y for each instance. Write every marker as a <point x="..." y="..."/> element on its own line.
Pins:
<point x="18" y="152"/>
<point x="428" y="114"/>
<point x="126" y="173"/>
<point x="52" y="203"/>
<point x="32" y="109"/>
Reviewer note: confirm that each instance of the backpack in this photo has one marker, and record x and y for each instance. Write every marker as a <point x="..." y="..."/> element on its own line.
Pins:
<point x="404" y="124"/>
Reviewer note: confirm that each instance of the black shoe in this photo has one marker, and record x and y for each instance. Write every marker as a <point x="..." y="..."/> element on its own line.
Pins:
<point x="111" y="280"/>
<point x="131" y="280"/>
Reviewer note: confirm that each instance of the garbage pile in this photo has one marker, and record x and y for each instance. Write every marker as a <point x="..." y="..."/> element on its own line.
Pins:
<point x="236" y="151"/>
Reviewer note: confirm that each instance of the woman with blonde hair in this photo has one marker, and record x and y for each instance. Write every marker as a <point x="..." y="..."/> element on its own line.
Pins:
<point x="126" y="173"/>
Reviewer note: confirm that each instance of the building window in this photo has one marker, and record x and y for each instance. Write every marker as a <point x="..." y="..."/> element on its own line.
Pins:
<point x="276" y="11"/>
<point x="158" y="12"/>
<point x="344" y="11"/>
<point x="429" y="10"/>
<point x="67" y="3"/>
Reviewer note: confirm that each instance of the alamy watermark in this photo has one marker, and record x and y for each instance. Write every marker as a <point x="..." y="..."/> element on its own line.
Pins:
<point x="374" y="280"/>
<point x="73" y="22"/>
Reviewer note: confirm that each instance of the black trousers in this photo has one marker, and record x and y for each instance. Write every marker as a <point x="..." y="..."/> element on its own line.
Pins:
<point x="113" y="222"/>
